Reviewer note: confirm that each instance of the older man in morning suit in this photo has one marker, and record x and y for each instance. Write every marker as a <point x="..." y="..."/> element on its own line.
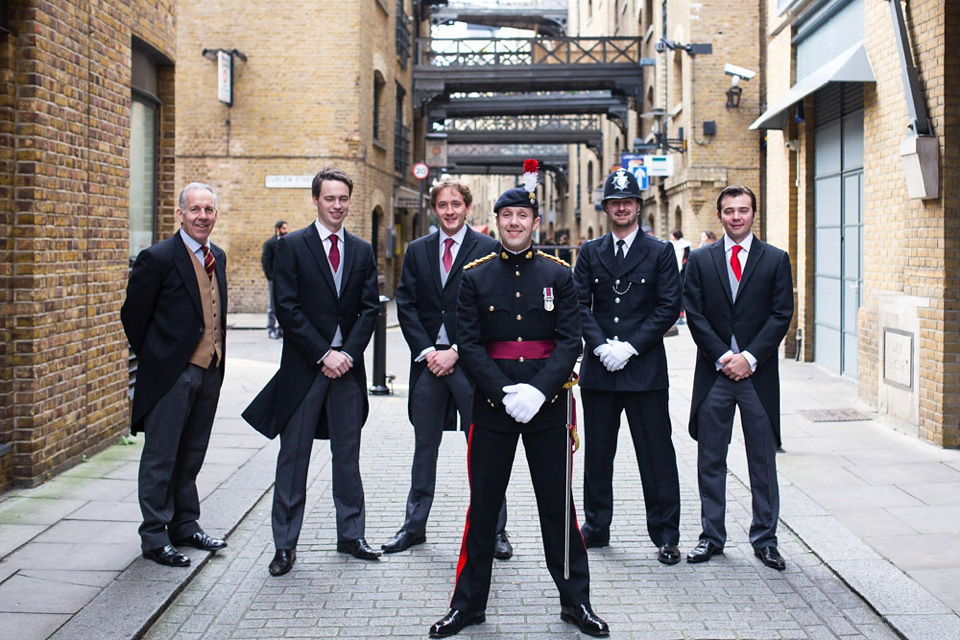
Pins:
<point x="738" y="295"/>
<point x="175" y="321"/>
<point x="439" y="388"/>
<point x="325" y="288"/>
<point x="629" y="290"/>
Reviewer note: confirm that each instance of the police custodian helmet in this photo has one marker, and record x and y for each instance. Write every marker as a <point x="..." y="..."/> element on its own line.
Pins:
<point x="619" y="185"/>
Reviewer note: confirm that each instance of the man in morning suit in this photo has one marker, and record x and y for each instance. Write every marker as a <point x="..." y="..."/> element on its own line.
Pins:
<point x="325" y="288"/>
<point x="738" y="295"/>
<point x="174" y="317"/>
<point x="439" y="388"/>
<point x="519" y="337"/>
<point x="629" y="290"/>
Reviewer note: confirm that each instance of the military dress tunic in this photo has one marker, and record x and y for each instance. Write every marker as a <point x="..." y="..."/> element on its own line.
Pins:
<point x="518" y="322"/>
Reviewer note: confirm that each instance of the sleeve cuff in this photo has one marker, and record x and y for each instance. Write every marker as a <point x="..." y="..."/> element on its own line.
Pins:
<point x="750" y="360"/>
<point x="719" y="364"/>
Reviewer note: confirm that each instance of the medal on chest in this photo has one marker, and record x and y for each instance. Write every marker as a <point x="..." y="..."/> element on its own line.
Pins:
<point x="548" y="298"/>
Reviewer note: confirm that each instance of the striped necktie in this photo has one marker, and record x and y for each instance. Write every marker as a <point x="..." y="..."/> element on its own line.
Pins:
<point x="209" y="262"/>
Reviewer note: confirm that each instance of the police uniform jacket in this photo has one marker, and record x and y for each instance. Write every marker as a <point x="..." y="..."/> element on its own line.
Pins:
<point x="636" y="302"/>
<point x="506" y="297"/>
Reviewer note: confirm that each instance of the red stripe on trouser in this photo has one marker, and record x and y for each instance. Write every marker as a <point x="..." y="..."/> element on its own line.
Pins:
<point x="463" y="542"/>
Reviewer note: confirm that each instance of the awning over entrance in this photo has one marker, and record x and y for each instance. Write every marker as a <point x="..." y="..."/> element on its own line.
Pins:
<point x="850" y="66"/>
<point x="407" y="198"/>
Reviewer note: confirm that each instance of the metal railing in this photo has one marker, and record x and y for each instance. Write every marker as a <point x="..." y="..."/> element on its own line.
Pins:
<point x="524" y="123"/>
<point x="472" y="52"/>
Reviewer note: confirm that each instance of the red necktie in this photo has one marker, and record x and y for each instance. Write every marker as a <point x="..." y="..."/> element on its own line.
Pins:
<point x="735" y="261"/>
<point x="209" y="262"/>
<point x="334" y="253"/>
<point x="448" y="255"/>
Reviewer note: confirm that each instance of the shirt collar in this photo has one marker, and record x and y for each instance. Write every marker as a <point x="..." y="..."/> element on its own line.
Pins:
<point x="326" y="233"/>
<point x="192" y="244"/>
<point x="728" y="242"/>
<point x="627" y="240"/>
<point x="457" y="237"/>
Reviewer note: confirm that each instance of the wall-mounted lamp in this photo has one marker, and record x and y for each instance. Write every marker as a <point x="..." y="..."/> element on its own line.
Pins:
<point x="735" y="91"/>
<point x="798" y="115"/>
<point x="733" y="97"/>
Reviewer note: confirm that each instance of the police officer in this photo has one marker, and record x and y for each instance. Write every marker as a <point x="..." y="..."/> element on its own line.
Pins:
<point x="629" y="289"/>
<point x="519" y="337"/>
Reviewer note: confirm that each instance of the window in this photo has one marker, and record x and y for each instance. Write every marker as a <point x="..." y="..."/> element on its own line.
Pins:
<point x="401" y="135"/>
<point x="144" y="110"/>
<point x="378" y="84"/>
<point x="143" y="172"/>
<point x="402" y="36"/>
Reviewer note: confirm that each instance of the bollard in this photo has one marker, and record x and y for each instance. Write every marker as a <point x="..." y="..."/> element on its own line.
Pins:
<point x="379" y="387"/>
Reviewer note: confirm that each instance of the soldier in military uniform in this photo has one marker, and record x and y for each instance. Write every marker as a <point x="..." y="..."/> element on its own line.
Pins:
<point x="519" y="337"/>
<point x="629" y="289"/>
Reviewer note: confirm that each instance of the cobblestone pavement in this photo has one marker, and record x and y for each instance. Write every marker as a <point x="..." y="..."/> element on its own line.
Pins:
<point x="331" y="595"/>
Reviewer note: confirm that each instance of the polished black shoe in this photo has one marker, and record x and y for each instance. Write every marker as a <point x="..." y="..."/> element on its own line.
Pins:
<point x="454" y="622"/>
<point x="594" y="539"/>
<point x="167" y="556"/>
<point x="282" y="561"/>
<point x="402" y="541"/>
<point x="358" y="548"/>
<point x="503" y="550"/>
<point x="771" y="557"/>
<point x="201" y="541"/>
<point x="704" y="551"/>
<point x="585" y="619"/>
<point x="668" y="554"/>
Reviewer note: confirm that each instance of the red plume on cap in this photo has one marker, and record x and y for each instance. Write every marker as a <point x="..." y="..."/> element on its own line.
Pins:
<point x="530" y="167"/>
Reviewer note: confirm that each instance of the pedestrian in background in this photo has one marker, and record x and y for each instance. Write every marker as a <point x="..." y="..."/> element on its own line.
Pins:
<point x="266" y="261"/>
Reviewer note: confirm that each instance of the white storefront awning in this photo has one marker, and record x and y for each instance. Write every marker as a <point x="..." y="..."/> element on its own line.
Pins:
<point x="850" y="66"/>
<point x="407" y="198"/>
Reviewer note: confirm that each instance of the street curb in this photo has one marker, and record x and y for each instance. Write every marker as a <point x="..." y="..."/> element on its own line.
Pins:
<point x="130" y="605"/>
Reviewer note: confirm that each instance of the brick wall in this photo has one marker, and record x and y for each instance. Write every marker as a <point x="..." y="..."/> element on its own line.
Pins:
<point x="301" y="102"/>
<point x="65" y="105"/>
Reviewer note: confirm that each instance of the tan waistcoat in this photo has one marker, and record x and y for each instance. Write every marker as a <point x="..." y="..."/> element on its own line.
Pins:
<point x="211" y="342"/>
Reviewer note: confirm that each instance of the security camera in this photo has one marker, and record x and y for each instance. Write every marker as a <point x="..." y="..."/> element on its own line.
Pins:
<point x="737" y="73"/>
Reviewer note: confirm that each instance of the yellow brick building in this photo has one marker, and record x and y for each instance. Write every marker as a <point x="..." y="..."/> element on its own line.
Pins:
<point x="317" y="84"/>
<point x="876" y="262"/>
<point x="82" y="89"/>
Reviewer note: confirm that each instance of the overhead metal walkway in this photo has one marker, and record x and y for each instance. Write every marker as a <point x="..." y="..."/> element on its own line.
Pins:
<point x="526" y="130"/>
<point x="555" y="103"/>
<point x="542" y="18"/>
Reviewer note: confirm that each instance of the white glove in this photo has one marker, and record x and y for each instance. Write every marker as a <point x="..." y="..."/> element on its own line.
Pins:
<point x="616" y="358"/>
<point x="522" y="401"/>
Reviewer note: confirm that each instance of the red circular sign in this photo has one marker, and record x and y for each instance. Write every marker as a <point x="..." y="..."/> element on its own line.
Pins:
<point x="421" y="171"/>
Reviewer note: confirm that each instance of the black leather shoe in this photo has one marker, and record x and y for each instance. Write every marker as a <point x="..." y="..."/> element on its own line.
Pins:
<point x="771" y="557"/>
<point x="403" y="541"/>
<point x="282" y="561"/>
<point x="503" y="550"/>
<point x="704" y="551"/>
<point x="593" y="539"/>
<point x="358" y="548"/>
<point x="668" y="554"/>
<point x="167" y="556"/>
<point x="201" y="541"/>
<point x="585" y="619"/>
<point x="454" y="622"/>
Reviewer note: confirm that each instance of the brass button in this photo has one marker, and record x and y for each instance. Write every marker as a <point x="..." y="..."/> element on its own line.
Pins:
<point x="518" y="273"/>
<point x="518" y="294"/>
<point x="519" y="339"/>
<point x="519" y="317"/>
<point x="491" y="307"/>
<point x="520" y="359"/>
<point x="616" y="320"/>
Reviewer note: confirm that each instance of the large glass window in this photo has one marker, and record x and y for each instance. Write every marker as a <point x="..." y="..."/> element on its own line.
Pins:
<point x="143" y="172"/>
